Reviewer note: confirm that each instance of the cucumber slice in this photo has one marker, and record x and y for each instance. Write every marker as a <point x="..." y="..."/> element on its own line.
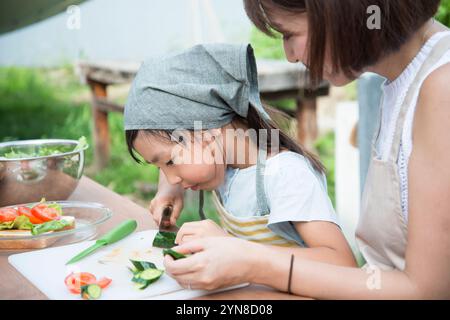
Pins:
<point x="164" y="239"/>
<point x="136" y="277"/>
<point x="174" y="254"/>
<point x="141" y="286"/>
<point x="142" y="265"/>
<point x="91" y="291"/>
<point x="151" y="274"/>
<point x="144" y="273"/>
<point x="133" y="270"/>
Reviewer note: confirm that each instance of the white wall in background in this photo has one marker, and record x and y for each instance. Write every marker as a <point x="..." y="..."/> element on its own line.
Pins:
<point x="347" y="170"/>
<point x="125" y="30"/>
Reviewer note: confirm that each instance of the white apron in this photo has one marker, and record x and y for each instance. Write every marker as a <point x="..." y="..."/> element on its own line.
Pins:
<point x="382" y="231"/>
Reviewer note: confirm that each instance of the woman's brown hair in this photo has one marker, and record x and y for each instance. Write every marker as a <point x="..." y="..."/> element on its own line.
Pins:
<point x="342" y="26"/>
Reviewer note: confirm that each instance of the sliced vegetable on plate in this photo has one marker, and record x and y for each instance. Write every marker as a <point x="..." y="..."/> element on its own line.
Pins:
<point x="75" y="281"/>
<point x="8" y="215"/>
<point x="91" y="292"/>
<point x="144" y="273"/>
<point x="19" y="223"/>
<point x="55" y="225"/>
<point x="45" y="212"/>
<point x="164" y="239"/>
<point x="25" y="211"/>
<point x="86" y="284"/>
<point x="34" y="220"/>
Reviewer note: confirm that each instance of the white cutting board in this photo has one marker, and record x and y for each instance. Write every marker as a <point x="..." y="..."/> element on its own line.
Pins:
<point x="46" y="269"/>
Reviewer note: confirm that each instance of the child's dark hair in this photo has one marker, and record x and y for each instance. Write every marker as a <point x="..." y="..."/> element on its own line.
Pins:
<point x="253" y="121"/>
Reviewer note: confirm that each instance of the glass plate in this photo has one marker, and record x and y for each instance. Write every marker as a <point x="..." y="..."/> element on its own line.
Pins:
<point x="88" y="216"/>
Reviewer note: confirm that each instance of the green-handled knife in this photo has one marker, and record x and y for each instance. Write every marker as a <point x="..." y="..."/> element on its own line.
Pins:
<point x="118" y="233"/>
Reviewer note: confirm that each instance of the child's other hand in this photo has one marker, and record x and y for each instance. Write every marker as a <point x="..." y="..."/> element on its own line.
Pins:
<point x="199" y="229"/>
<point x="162" y="200"/>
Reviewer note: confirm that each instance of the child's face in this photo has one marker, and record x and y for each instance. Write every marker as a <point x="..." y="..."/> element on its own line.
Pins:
<point x="191" y="164"/>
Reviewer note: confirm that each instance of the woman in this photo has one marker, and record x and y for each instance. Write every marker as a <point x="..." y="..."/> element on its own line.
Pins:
<point x="404" y="228"/>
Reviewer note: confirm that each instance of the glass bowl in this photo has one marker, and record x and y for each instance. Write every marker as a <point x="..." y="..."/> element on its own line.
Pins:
<point x="88" y="216"/>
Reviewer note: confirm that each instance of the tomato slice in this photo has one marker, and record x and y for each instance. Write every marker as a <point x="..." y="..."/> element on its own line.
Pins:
<point x="44" y="213"/>
<point x="25" y="211"/>
<point x="104" y="282"/>
<point x="8" y="214"/>
<point x="75" y="281"/>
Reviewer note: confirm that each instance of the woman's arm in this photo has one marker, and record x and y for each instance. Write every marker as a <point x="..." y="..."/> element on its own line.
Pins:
<point x="325" y="243"/>
<point x="326" y="281"/>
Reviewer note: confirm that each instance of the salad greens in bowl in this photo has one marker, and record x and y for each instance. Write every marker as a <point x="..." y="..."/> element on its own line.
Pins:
<point x="34" y="169"/>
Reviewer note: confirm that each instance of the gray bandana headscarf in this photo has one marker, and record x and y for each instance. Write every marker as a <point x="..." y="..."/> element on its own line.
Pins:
<point x="211" y="83"/>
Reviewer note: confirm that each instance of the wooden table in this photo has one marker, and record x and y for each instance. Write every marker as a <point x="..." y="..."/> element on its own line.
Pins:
<point x="14" y="286"/>
<point x="277" y="80"/>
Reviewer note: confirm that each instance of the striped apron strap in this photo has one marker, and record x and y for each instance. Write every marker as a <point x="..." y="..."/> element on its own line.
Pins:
<point x="253" y="228"/>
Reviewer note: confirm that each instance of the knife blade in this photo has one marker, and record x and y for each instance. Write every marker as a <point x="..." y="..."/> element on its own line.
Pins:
<point x="164" y="224"/>
<point x="118" y="233"/>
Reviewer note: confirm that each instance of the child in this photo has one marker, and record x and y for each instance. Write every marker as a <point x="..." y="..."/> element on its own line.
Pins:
<point x="198" y="117"/>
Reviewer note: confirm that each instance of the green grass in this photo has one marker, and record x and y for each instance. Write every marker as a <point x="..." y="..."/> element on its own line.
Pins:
<point x="266" y="47"/>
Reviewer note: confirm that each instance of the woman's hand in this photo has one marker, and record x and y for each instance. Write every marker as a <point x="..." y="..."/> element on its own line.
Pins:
<point x="167" y="195"/>
<point x="215" y="262"/>
<point x="199" y="229"/>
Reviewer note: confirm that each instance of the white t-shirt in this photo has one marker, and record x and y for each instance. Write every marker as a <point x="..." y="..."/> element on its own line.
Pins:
<point x="295" y="192"/>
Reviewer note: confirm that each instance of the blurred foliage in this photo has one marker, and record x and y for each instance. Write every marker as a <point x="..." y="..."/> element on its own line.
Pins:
<point x="351" y="91"/>
<point x="443" y="14"/>
<point x="325" y="146"/>
<point x="266" y="47"/>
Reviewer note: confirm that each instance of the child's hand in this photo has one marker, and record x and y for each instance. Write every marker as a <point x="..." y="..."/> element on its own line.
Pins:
<point x="213" y="262"/>
<point x="199" y="229"/>
<point x="162" y="200"/>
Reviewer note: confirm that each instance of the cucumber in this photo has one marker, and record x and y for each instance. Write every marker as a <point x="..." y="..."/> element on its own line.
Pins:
<point x="141" y="286"/>
<point x="144" y="273"/>
<point x="91" y="291"/>
<point x="137" y="277"/>
<point x="142" y="265"/>
<point x="151" y="274"/>
<point x="145" y="278"/>
<point x="174" y="254"/>
<point x="164" y="239"/>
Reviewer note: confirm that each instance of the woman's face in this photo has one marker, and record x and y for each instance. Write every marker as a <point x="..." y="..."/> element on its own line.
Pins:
<point x="192" y="164"/>
<point x="294" y="28"/>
